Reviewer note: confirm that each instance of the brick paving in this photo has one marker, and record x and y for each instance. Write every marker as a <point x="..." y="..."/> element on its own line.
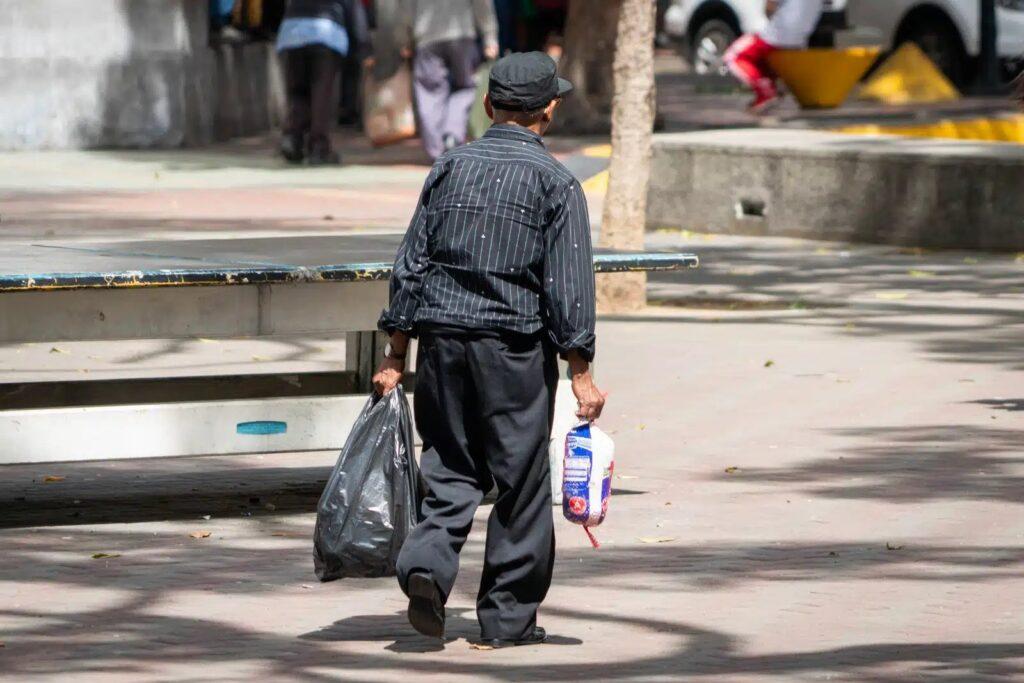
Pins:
<point x="820" y="474"/>
<point x="870" y="531"/>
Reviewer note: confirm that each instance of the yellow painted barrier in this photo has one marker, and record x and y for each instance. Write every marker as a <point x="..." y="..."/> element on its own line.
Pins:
<point x="822" y="78"/>
<point x="1004" y="129"/>
<point x="908" y="76"/>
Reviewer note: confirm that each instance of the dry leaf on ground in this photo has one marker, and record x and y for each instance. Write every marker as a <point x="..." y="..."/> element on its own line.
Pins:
<point x="200" y="534"/>
<point x="49" y="479"/>
<point x="105" y="556"/>
<point x="731" y="469"/>
<point x="891" y="296"/>
<point x="769" y="363"/>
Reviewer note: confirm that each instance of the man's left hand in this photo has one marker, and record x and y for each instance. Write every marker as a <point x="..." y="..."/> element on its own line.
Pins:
<point x="388" y="375"/>
<point x="490" y="52"/>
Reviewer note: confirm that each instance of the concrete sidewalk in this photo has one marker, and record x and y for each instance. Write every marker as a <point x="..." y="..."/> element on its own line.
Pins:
<point x="819" y="477"/>
<point x="820" y="469"/>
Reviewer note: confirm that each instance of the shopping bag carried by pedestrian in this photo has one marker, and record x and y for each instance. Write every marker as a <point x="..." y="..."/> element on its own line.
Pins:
<point x="479" y="121"/>
<point x="388" y="115"/>
<point x="371" y="501"/>
<point x="587" y="476"/>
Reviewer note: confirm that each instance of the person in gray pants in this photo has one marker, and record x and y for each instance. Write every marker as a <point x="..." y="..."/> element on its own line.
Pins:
<point x="444" y="41"/>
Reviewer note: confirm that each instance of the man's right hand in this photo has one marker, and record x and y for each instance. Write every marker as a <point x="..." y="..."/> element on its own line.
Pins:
<point x="388" y="375"/>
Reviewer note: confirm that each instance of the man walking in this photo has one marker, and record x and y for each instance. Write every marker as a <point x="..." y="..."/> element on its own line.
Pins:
<point x="445" y="37"/>
<point x="495" y="276"/>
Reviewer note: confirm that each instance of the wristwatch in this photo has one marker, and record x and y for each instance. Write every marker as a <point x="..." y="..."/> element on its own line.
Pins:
<point x="389" y="352"/>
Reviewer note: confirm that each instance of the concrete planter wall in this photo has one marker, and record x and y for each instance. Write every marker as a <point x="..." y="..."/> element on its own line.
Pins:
<point x="126" y="73"/>
<point x="820" y="185"/>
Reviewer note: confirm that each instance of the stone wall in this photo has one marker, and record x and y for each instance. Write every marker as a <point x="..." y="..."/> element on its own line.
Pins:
<point x="126" y="73"/>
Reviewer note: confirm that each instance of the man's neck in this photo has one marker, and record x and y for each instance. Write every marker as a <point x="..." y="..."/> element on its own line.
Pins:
<point x="535" y="128"/>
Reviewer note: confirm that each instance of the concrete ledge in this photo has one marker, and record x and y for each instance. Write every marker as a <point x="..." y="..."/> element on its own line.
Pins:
<point x="127" y="73"/>
<point x="831" y="186"/>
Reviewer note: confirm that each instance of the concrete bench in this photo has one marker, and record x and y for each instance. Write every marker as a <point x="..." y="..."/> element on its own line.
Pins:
<point x="832" y="186"/>
<point x="189" y="289"/>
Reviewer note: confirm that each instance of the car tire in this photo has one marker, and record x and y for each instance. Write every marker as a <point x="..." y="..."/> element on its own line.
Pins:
<point x="707" y="47"/>
<point x="941" y="42"/>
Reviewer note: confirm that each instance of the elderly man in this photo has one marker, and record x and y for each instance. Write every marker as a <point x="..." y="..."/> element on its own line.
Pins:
<point x="495" y="276"/>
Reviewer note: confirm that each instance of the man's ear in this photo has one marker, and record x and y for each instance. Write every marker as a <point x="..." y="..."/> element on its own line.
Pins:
<point x="549" y="111"/>
<point x="488" y="107"/>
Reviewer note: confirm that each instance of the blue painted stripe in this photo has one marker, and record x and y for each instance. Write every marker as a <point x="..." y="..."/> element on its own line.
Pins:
<point x="262" y="427"/>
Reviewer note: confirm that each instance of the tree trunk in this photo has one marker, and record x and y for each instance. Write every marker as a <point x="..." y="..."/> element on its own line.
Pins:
<point x="589" y="44"/>
<point x="625" y="205"/>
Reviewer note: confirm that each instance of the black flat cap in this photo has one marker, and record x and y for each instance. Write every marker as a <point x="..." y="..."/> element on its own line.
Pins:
<point x="525" y="81"/>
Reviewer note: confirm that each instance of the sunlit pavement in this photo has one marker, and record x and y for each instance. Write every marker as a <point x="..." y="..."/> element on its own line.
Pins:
<point x="820" y="476"/>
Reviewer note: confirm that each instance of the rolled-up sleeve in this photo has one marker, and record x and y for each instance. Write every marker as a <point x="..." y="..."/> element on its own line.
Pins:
<point x="570" y="309"/>
<point x="411" y="263"/>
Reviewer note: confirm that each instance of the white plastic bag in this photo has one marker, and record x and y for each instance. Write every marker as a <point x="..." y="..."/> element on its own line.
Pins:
<point x="588" y="464"/>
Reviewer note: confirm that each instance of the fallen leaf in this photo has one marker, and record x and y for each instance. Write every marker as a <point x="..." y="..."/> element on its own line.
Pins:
<point x="832" y="553"/>
<point x="105" y="556"/>
<point x="206" y="341"/>
<point x="328" y="217"/>
<point x="890" y="546"/>
<point x="891" y="296"/>
<point x="57" y="349"/>
<point x="480" y="646"/>
<point x="306" y="586"/>
<point x="850" y="326"/>
<point x="657" y="539"/>
<point x="668" y="503"/>
<point x="731" y="469"/>
<point x="260" y="359"/>
<point x="641" y="427"/>
<point x="52" y="478"/>
<point x="206" y="517"/>
<point x="769" y="363"/>
<point x="200" y="534"/>
<point x="920" y="273"/>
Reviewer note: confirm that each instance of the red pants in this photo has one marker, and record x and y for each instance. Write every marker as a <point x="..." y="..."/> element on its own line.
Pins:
<point x="747" y="59"/>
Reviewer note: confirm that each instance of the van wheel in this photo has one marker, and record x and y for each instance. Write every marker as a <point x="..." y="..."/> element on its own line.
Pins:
<point x="708" y="46"/>
<point x="941" y="42"/>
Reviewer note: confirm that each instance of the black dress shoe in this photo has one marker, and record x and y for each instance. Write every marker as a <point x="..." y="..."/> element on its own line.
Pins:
<point x="426" y="607"/>
<point x="322" y="157"/>
<point x="536" y="637"/>
<point x="291" y="148"/>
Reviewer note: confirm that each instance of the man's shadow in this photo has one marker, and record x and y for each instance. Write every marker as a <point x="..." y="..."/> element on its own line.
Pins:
<point x="460" y="624"/>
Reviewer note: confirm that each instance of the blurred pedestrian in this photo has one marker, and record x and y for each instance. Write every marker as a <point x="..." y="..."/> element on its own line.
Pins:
<point x="507" y="14"/>
<point x="313" y="39"/>
<point x="790" y="25"/>
<point x="444" y="40"/>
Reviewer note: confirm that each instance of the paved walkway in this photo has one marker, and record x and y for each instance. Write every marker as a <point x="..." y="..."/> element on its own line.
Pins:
<point x="820" y="475"/>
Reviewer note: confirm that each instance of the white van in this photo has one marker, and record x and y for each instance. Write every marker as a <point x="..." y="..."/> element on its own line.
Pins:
<point x="947" y="30"/>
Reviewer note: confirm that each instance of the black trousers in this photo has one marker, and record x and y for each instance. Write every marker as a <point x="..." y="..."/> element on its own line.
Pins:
<point x="484" y="406"/>
<point x="311" y="77"/>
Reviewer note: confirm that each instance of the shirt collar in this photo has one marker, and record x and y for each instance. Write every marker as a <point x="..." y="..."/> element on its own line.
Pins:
<point x="510" y="131"/>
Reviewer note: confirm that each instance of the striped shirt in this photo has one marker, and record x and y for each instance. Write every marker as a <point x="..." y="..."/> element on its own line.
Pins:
<point x="500" y="240"/>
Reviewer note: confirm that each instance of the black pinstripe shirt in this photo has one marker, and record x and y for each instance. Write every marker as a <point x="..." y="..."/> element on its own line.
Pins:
<point x="500" y="241"/>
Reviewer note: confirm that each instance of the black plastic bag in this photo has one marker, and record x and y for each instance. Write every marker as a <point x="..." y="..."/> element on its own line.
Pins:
<point x="371" y="502"/>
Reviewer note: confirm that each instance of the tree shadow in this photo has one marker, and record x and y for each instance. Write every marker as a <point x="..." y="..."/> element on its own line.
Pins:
<point x="958" y="307"/>
<point x="911" y="464"/>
